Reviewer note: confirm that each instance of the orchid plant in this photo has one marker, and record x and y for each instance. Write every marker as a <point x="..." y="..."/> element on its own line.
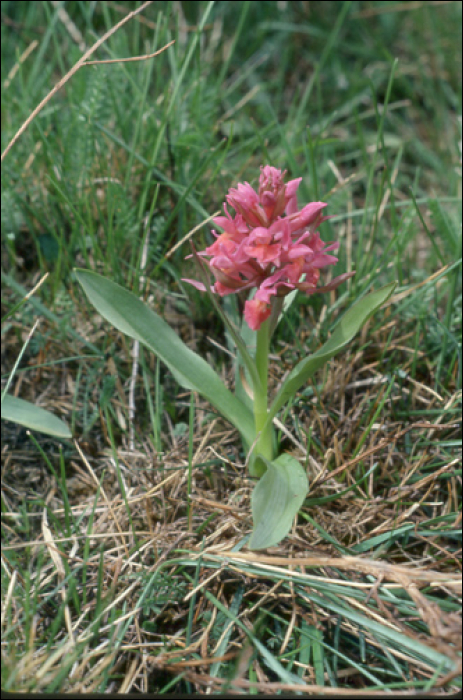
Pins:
<point x="269" y="250"/>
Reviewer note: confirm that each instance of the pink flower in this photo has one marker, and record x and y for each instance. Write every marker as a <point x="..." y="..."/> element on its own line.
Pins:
<point x="255" y="313"/>
<point x="269" y="245"/>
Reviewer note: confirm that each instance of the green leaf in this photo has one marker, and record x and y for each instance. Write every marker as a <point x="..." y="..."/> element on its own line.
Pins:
<point x="276" y="500"/>
<point x="33" y="417"/>
<point x="130" y="315"/>
<point x="346" y="329"/>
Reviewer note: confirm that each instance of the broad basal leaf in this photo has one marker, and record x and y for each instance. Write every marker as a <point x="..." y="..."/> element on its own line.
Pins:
<point x="33" y="417"/>
<point x="130" y="315"/>
<point x="276" y="500"/>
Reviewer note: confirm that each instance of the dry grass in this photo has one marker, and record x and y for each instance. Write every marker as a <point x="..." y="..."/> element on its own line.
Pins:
<point x="137" y="527"/>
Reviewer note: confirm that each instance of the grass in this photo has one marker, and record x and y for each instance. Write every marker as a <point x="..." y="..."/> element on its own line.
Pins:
<point x="124" y="563"/>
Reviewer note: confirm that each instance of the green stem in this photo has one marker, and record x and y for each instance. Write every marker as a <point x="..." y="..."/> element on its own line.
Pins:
<point x="264" y="444"/>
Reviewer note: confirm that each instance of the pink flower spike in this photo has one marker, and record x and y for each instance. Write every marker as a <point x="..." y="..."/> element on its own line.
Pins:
<point x="321" y="260"/>
<point x="271" y="179"/>
<point x="269" y="245"/>
<point x="307" y="216"/>
<point x="198" y="285"/>
<point x="298" y="250"/>
<point x="292" y="187"/>
<point x="260" y="235"/>
<point x="295" y="269"/>
<point x="270" y="286"/>
<point x="291" y="196"/>
<point x="234" y="227"/>
<point x="277" y="197"/>
<point x="255" y="313"/>
<point x="245" y="201"/>
<point x="264" y="254"/>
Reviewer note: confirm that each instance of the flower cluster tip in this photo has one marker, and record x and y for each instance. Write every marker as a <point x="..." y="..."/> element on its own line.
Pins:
<point x="269" y="245"/>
